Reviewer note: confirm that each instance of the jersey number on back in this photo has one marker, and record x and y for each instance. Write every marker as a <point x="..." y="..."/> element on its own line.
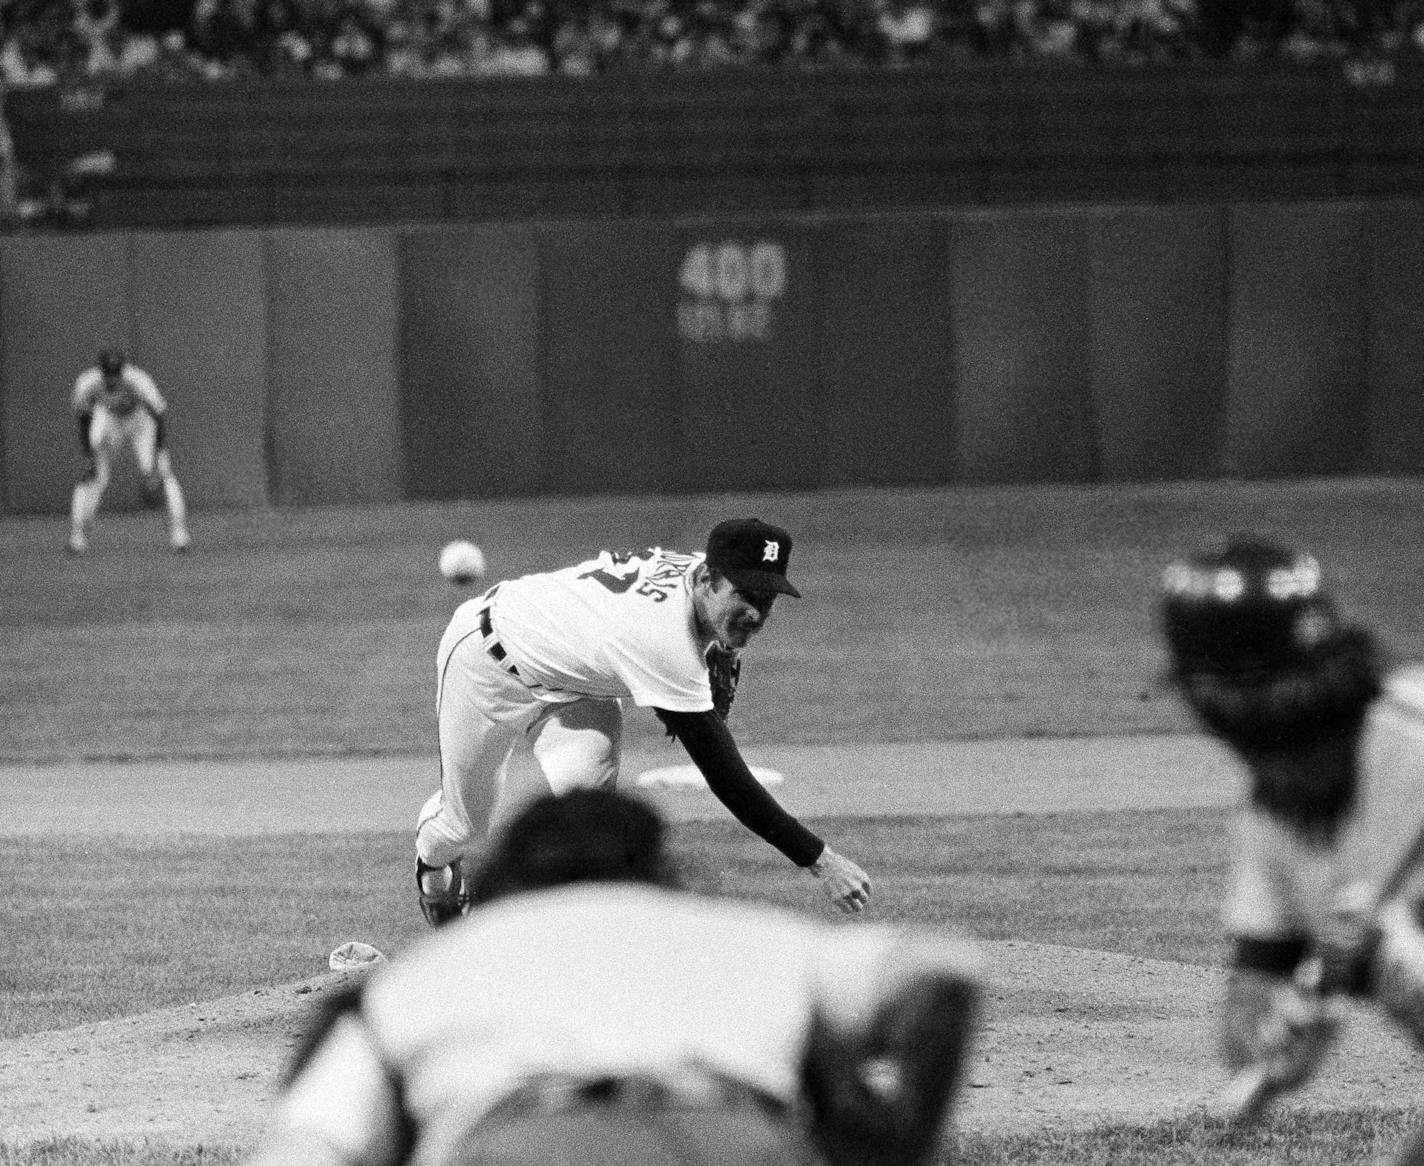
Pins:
<point x="619" y="583"/>
<point x="625" y="568"/>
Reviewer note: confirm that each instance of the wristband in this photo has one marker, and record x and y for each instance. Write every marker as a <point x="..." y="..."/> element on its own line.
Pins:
<point x="1273" y="957"/>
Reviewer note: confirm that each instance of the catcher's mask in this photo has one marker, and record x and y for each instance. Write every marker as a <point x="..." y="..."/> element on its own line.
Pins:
<point x="1245" y="608"/>
<point x="111" y="362"/>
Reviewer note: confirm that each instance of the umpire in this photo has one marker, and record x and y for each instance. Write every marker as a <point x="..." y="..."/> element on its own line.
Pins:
<point x="588" y="1011"/>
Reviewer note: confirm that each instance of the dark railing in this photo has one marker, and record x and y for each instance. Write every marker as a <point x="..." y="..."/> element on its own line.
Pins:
<point x="385" y="150"/>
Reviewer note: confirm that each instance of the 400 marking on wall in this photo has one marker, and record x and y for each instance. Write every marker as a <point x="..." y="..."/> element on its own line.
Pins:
<point x="726" y="290"/>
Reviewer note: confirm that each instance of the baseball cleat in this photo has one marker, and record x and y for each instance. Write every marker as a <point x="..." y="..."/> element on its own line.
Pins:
<point x="77" y="543"/>
<point x="440" y="906"/>
<point x="180" y="540"/>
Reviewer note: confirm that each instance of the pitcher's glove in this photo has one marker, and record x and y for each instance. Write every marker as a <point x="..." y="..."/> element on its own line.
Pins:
<point x="724" y="669"/>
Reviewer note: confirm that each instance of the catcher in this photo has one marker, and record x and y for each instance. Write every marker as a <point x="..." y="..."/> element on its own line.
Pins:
<point x="548" y="657"/>
<point x="588" y="1011"/>
<point x="117" y="404"/>
<point x="1331" y="744"/>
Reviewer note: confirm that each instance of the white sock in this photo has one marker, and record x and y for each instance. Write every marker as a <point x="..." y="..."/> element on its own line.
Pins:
<point x="437" y="880"/>
<point x="177" y="508"/>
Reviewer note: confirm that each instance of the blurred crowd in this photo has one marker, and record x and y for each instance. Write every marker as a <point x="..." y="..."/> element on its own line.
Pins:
<point x="46" y="42"/>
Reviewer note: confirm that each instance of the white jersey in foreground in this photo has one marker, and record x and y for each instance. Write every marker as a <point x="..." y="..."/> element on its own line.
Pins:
<point x="591" y="982"/>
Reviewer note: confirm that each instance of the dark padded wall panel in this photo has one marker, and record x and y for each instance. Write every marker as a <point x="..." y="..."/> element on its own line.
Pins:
<point x="198" y="303"/>
<point x="333" y="431"/>
<point x="885" y="353"/>
<point x="61" y="299"/>
<point x="1129" y="343"/>
<point x="1022" y="346"/>
<point x="1159" y="341"/>
<point x="1297" y="362"/>
<point x="1394" y="248"/>
<point x="606" y="359"/>
<point x="751" y="412"/>
<point x="469" y="330"/>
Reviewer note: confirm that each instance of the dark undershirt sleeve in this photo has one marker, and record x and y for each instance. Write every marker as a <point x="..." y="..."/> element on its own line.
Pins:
<point x="709" y="743"/>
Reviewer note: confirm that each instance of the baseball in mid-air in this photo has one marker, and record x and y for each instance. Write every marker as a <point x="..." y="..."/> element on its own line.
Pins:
<point x="462" y="561"/>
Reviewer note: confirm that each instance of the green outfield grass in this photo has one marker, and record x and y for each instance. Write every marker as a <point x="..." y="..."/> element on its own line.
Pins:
<point x="928" y="614"/>
<point x="1319" y="1139"/>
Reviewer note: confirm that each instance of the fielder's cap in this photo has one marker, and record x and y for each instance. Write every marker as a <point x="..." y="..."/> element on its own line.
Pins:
<point x="111" y="362"/>
<point x="1245" y="607"/>
<point x="753" y="554"/>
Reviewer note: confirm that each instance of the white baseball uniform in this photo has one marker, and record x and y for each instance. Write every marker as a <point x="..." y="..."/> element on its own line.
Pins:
<point x="124" y="410"/>
<point x="616" y="627"/>
<point x="547" y="658"/>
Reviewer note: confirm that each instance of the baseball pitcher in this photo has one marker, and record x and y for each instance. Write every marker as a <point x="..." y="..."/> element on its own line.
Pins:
<point x="1332" y="746"/>
<point x="547" y="658"/>
<point x="117" y="406"/>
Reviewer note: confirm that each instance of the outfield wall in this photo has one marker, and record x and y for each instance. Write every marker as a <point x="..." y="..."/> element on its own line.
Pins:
<point x="986" y="346"/>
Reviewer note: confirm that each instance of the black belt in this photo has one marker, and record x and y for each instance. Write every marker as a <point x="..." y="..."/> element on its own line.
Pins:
<point x="492" y="645"/>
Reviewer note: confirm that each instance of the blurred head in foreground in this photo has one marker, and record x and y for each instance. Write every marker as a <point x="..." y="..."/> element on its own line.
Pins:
<point x="584" y="836"/>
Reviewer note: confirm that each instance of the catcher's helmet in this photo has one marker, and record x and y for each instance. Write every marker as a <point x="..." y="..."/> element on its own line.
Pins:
<point x="1248" y="606"/>
<point x="111" y="362"/>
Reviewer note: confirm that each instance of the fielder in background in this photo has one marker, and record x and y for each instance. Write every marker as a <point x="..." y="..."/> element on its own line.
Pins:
<point x="587" y="1011"/>
<point x="117" y="404"/>
<point x="548" y="657"/>
<point x="1331" y="744"/>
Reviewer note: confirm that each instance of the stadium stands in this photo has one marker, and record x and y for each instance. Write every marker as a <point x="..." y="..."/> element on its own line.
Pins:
<point x="212" y="112"/>
<point x="48" y="41"/>
<point x="386" y="150"/>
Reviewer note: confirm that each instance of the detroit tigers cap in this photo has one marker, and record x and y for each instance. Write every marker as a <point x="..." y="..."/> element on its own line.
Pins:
<point x="753" y="554"/>
<point x="111" y="361"/>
